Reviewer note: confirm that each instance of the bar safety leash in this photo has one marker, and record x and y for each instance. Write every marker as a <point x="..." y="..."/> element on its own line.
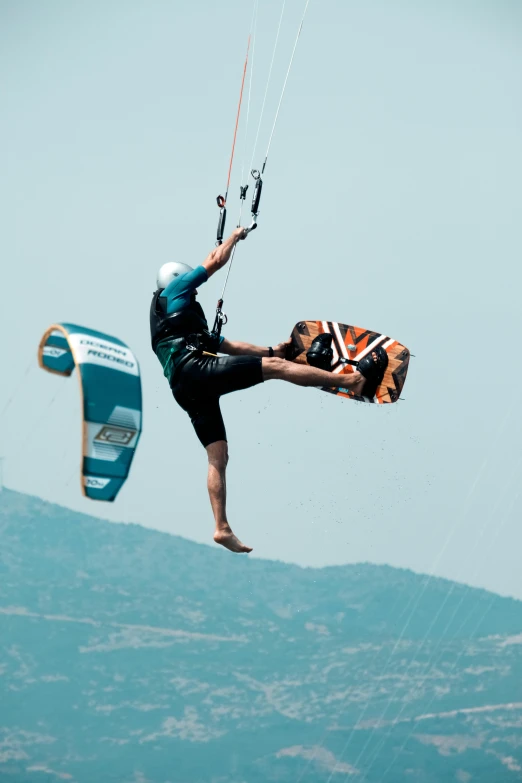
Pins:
<point x="221" y="319"/>
<point x="222" y="200"/>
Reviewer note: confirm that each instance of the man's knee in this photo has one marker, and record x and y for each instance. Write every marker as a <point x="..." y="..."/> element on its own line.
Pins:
<point x="218" y="454"/>
<point x="273" y="367"/>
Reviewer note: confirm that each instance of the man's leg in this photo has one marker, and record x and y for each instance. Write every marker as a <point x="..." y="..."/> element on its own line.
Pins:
<point x="217" y="490"/>
<point x="304" y="375"/>
<point x="196" y="381"/>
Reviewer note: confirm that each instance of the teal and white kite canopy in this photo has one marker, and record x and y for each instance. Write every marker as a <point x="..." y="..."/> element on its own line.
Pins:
<point x="110" y="388"/>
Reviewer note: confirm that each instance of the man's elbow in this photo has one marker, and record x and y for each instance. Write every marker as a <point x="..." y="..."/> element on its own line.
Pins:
<point x="212" y="262"/>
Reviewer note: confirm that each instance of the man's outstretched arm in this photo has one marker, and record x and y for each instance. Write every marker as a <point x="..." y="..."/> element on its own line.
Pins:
<point x="218" y="257"/>
<point x="235" y="348"/>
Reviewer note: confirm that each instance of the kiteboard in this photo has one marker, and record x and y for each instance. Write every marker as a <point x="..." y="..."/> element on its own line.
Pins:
<point x="349" y="345"/>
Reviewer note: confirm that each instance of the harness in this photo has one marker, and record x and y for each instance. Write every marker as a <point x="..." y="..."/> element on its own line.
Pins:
<point x="186" y="330"/>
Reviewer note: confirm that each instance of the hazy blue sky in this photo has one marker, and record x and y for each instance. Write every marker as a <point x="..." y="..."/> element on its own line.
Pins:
<point x="392" y="201"/>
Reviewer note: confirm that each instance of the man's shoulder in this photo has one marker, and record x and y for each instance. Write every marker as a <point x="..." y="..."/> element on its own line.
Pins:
<point x="186" y="282"/>
<point x="201" y="273"/>
<point x="198" y="275"/>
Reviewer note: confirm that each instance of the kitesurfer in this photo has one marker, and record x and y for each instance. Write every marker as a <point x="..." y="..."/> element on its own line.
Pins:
<point x="198" y="377"/>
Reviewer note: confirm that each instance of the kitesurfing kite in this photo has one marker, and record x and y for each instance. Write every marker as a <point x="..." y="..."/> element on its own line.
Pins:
<point x="110" y="390"/>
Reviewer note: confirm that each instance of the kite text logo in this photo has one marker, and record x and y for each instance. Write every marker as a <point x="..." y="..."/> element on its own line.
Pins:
<point x="95" y="483"/>
<point x="109" y="358"/>
<point x="53" y="352"/>
<point x="116" y="436"/>
<point x="107" y="352"/>
<point x="105" y="346"/>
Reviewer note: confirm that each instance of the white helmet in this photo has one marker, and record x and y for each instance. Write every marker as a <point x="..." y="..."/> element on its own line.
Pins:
<point x="169" y="271"/>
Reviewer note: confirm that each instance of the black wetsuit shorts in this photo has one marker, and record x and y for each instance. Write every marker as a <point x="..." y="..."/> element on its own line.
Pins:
<point x="198" y="384"/>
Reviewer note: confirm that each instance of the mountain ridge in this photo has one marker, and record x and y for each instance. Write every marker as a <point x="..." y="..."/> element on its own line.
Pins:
<point x="128" y="648"/>
<point x="39" y="505"/>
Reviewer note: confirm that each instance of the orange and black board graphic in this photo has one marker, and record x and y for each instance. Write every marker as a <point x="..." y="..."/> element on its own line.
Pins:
<point x="352" y="343"/>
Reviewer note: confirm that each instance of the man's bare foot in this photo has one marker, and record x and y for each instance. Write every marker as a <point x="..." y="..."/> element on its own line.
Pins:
<point x="354" y="381"/>
<point x="358" y="382"/>
<point x="226" y="538"/>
